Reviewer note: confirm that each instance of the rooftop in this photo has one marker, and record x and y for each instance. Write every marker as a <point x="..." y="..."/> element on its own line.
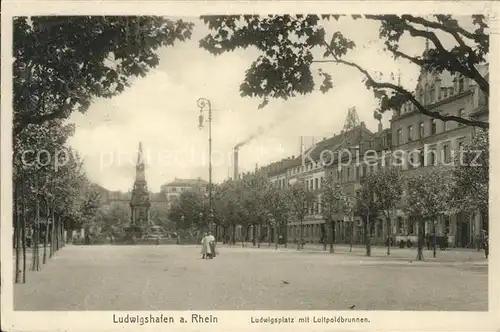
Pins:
<point x="177" y="182"/>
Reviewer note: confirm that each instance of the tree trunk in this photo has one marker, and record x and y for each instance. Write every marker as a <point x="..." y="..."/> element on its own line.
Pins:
<point x="258" y="236"/>
<point x="366" y="226"/>
<point x="17" y="233"/>
<point x="233" y="235"/>
<point x="61" y="230"/>
<point x="57" y="233"/>
<point x="353" y="229"/>
<point x="35" y="239"/>
<point x="324" y="236"/>
<point x="46" y="235"/>
<point x="389" y="236"/>
<point x="276" y="238"/>
<point x="433" y="239"/>
<point x="332" y="236"/>
<point x="269" y="239"/>
<point x="301" y="237"/>
<point x="286" y="234"/>
<point x="420" y="245"/>
<point x="302" y="233"/>
<point x="23" y="227"/>
<point x="33" y="248"/>
<point x="52" y="232"/>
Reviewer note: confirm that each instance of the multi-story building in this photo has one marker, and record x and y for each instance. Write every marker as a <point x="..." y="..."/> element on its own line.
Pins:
<point x="431" y="141"/>
<point x="173" y="190"/>
<point x="435" y="143"/>
<point x="311" y="169"/>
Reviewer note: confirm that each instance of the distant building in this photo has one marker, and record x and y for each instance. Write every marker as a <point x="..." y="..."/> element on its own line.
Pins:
<point x="173" y="190"/>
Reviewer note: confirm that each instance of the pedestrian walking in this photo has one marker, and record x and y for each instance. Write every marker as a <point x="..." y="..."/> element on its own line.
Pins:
<point x="205" y="246"/>
<point x="211" y="244"/>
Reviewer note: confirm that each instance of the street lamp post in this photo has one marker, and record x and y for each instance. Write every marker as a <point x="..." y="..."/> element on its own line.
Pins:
<point x="205" y="105"/>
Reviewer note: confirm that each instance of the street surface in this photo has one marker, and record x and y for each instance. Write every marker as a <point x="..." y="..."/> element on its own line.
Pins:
<point x="174" y="277"/>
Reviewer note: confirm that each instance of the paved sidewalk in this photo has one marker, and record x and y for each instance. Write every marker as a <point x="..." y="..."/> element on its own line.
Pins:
<point x="176" y="278"/>
<point x="379" y="252"/>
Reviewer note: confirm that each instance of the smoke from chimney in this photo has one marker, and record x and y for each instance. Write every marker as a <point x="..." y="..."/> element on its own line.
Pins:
<point x="261" y="130"/>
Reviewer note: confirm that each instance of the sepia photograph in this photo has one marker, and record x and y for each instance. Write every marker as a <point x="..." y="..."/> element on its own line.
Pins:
<point x="260" y="162"/>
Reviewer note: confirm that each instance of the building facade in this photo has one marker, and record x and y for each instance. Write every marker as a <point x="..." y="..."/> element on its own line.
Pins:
<point x="423" y="142"/>
<point x="173" y="190"/>
<point x="436" y="143"/>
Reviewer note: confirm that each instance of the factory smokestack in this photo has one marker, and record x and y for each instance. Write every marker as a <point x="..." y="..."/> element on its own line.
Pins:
<point x="235" y="162"/>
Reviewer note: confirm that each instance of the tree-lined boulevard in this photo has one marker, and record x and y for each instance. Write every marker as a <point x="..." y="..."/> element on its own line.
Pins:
<point x="62" y="64"/>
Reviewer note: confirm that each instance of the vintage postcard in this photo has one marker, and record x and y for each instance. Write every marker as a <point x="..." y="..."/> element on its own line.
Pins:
<point x="230" y="166"/>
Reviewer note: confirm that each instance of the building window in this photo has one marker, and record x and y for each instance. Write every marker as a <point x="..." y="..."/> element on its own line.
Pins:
<point x="399" y="225"/>
<point x="446" y="153"/>
<point x="460" y="152"/>
<point x="174" y="189"/>
<point x="433" y="127"/>
<point x="421" y="95"/>
<point x="348" y="173"/>
<point x="460" y="84"/>
<point x="411" y="223"/>
<point x="400" y="137"/>
<point x="410" y="160"/>
<point x="356" y="170"/>
<point x="387" y="160"/>
<point x="421" y="157"/>
<point x="410" y="133"/>
<point x="446" y="225"/>
<point x="445" y="124"/>
<point x="322" y="181"/>
<point x="432" y="157"/>
<point x="432" y="93"/>
<point x="316" y="183"/>
<point x="461" y="113"/>
<point x="421" y="130"/>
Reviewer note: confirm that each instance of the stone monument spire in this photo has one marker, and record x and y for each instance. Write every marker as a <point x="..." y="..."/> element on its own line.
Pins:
<point x="139" y="202"/>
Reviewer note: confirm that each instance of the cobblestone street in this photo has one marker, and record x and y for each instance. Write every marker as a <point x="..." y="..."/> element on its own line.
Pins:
<point x="176" y="278"/>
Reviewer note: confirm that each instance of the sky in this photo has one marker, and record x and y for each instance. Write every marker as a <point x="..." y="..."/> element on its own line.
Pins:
<point x="160" y="110"/>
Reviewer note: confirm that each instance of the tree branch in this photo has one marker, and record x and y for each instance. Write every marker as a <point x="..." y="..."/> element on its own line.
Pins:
<point x="469" y="71"/>
<point x="24" y="120"/>
<point x="409" y="96"/>
<point x="474" y="74"/>
<point x="454" y="31"/>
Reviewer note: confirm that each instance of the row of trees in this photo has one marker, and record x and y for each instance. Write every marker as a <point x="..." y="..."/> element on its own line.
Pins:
<point x="60" y="65"/>
<point x="49" y="197"/>
<point x="426" y="194"/>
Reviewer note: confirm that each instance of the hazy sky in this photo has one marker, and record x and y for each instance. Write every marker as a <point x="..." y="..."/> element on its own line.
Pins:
<point x="160" y="111"/>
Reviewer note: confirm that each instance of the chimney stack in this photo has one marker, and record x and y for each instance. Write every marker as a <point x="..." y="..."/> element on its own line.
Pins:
<point x="380" y="127"/>
<point x="235" y="162"/>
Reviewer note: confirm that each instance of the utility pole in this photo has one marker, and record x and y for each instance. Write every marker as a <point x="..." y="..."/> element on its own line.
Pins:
<point x="205" y="106"/>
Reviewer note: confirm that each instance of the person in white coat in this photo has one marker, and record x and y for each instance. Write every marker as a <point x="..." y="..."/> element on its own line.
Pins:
<point x="205" y="246"/>
<point x="211" y="244"/>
